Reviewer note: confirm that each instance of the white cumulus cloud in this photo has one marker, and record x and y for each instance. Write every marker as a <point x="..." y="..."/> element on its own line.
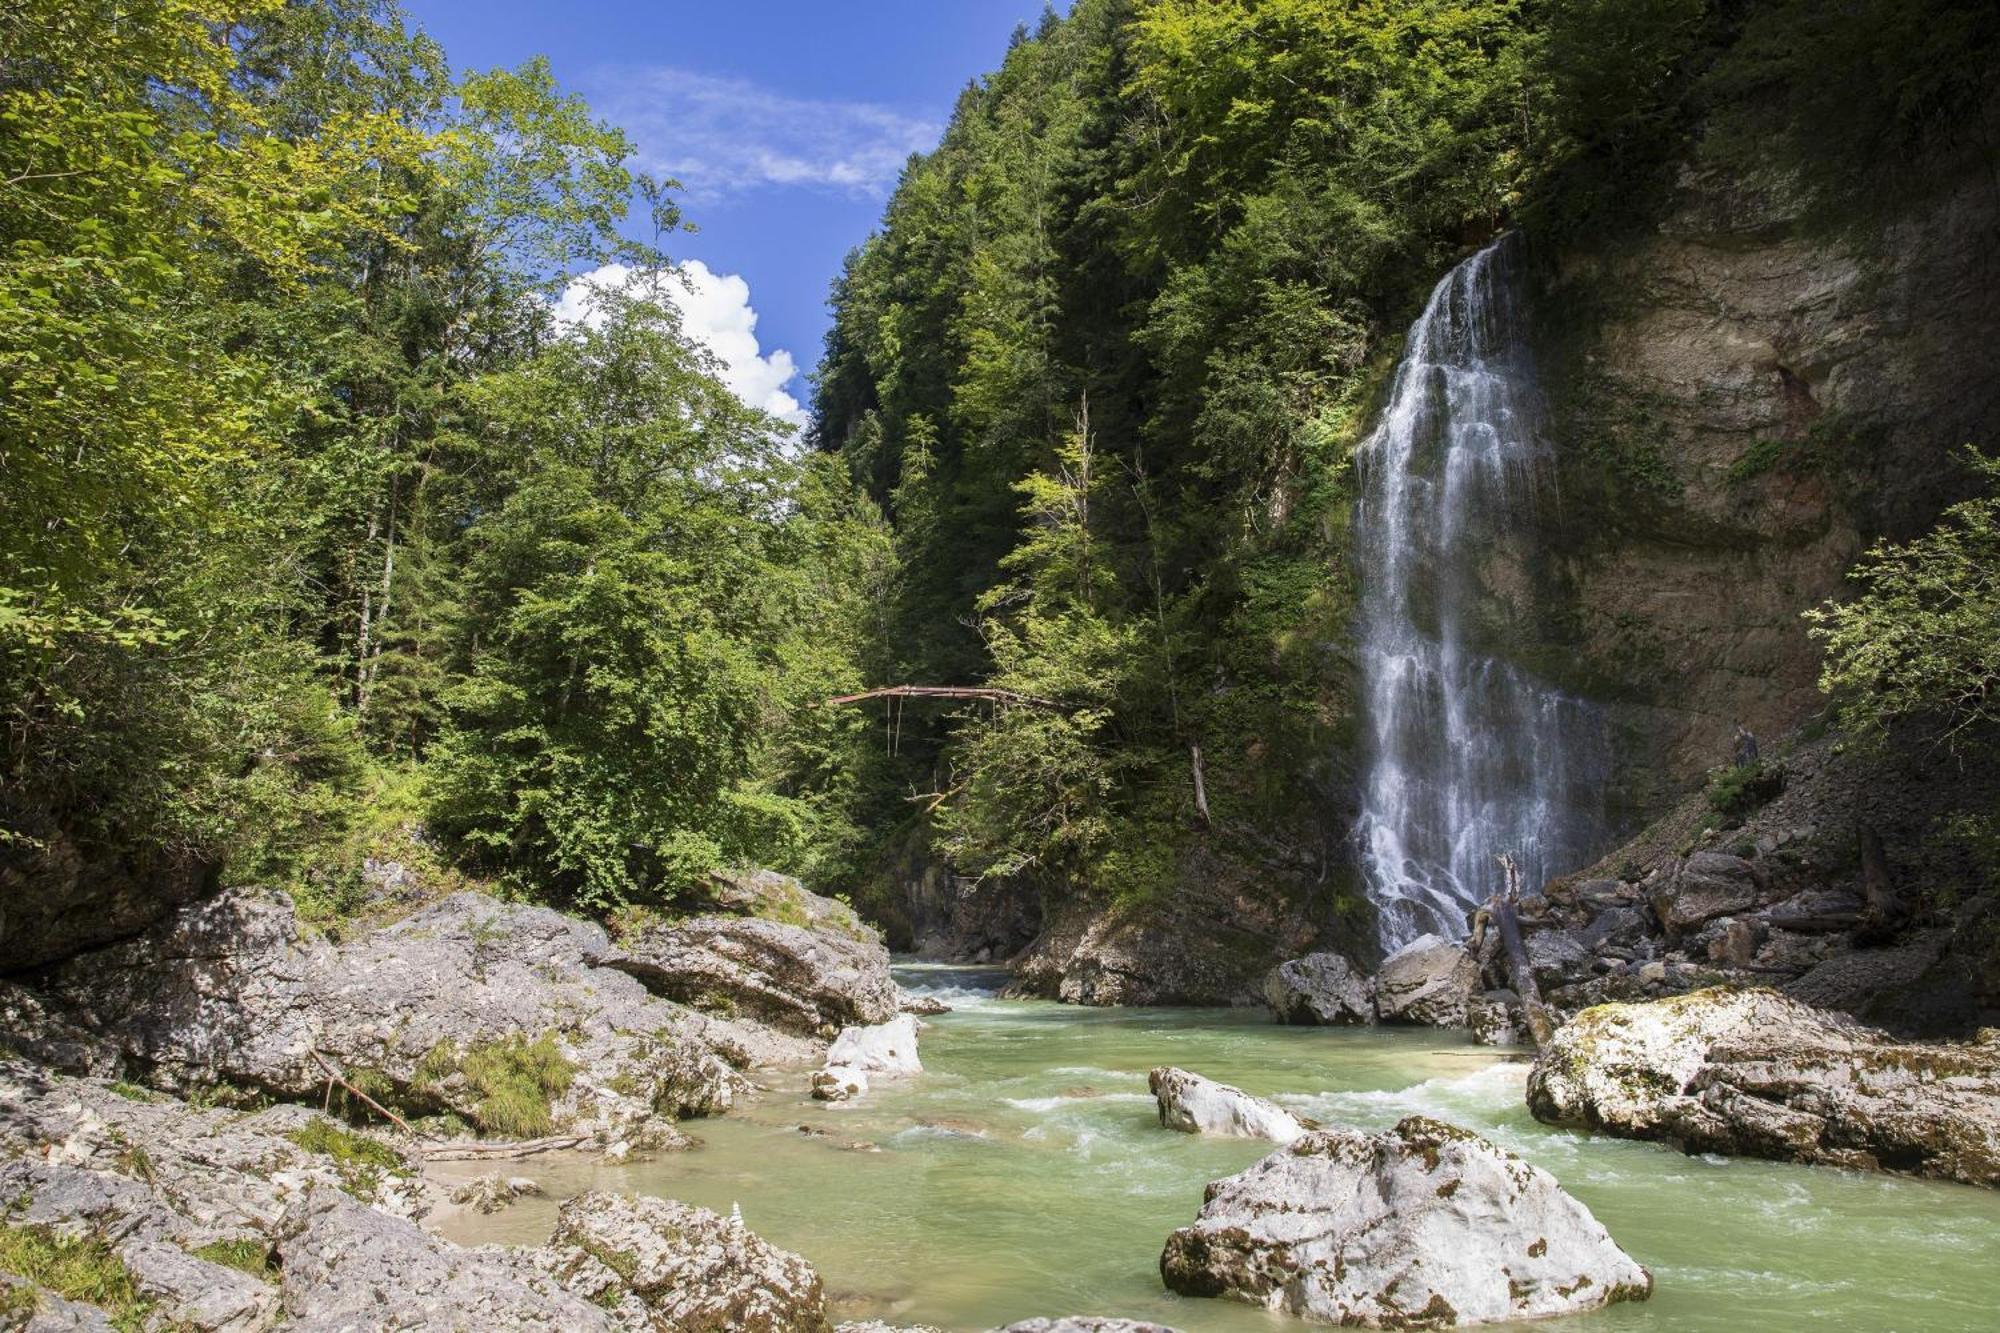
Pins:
<point x="722" y="136"/>
<point x="716" y="312"/>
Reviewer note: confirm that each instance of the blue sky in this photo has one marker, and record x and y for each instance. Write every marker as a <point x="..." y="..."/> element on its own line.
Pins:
<point x="787" y="121"/>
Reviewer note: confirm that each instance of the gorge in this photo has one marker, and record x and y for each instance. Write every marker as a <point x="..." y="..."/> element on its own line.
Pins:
<point x="1365" y="695"/>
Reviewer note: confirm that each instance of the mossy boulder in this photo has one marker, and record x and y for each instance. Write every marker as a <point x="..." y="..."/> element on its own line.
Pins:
<point x="1756" y="1073"/>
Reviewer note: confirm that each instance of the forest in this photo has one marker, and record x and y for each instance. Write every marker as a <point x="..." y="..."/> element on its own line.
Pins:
<point x="318" y="524"/>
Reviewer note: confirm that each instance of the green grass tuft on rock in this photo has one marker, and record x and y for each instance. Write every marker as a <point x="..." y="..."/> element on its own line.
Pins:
<point x="517" y="1081"/>
<point x="344" y="1146"/>
<point x="78" y="1269"/>
<point x="249" y="1254"/>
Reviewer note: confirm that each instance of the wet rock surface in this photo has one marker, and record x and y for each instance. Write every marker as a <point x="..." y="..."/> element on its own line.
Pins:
<point x="233" y="992"/>
<point x="1424" y="1226"/>
<point x="163" y="1185"/>
<point x="1320" y="988"/>
<point x="1429" y="981"/>
<point x="1760" y="1074"/>
<point x="1196" y="1105"/>
<point x="681" y="1266"/>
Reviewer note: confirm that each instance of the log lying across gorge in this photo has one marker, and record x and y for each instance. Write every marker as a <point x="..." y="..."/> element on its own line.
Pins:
<point x="968" y="693"/>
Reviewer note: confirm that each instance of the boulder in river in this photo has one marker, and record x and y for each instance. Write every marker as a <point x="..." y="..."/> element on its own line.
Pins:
<point x="1197" y="1105"/>
<point x="1429" y="981"/>
<point x="879" y="1048"/>
<point x="687" y="1267"/>
<point x="1496" y="1019"/>
<point x="1424" y="1226"/>
<point x="1320" y="988"/>
<point x="838" y="1083"/>
<point x="1760" y="1074"/>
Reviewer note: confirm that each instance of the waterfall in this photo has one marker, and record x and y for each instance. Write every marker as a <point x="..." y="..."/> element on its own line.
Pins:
<point x="1469" y="756"/>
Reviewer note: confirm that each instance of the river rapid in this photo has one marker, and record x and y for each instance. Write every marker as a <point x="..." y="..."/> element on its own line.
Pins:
<point x="1025" y="1173"/>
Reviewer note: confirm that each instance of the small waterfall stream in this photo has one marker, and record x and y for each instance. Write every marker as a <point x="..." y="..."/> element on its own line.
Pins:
<point x="1469" y="756"/>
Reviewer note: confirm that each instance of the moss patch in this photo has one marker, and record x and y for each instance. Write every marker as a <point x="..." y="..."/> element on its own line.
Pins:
<point x="250" y="1255"/>
<point x="82" y="1269"/>
<point x="330" y="1140"/>
<point x="1735" y="792"/>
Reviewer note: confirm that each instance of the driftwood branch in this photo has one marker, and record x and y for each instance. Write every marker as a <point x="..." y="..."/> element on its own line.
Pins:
<point x="1508" y="922"/>
<point x="334" y="1075"/>
<point x="958" y="692"/>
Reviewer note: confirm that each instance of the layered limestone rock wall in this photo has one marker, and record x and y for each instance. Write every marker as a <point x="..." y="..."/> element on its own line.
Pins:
<point x="1741" y="404"/>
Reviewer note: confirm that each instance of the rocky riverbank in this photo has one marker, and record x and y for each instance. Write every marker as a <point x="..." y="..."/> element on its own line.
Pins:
<point x="158" y="1109"/>
<point x="470" y="1015"/>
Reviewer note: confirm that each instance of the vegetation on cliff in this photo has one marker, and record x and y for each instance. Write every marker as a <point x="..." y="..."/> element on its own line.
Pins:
<point x="1107" y="361"/>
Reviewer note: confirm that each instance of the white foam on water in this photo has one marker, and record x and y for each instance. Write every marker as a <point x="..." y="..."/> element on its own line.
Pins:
<point x="1481" y="1097"/>
<point x="1056" y="1103"/>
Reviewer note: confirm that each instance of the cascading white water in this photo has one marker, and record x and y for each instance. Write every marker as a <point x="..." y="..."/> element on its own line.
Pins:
<point x="1469" y="756"/>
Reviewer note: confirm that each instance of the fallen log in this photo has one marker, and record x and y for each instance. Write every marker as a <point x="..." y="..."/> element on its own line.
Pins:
<point x="963" y="693"/>
<point x="1540" y="1027"/>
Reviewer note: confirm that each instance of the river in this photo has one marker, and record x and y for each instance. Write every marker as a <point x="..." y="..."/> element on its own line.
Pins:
<point x="1024" y="1173"/>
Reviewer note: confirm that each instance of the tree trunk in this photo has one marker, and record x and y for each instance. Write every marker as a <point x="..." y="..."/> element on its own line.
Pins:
<point x="372" y="659"/>
<point x="1883" y="911"/>
<point x="1540" y="1027"/>
<point x="1200" y="787"/>
<point x="362" y="636"/>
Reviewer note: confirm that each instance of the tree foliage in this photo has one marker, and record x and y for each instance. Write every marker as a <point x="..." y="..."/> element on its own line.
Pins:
<point x="1211" y="219"/>
<point x="1921" y="642"/>
<point x="303" y="480"/>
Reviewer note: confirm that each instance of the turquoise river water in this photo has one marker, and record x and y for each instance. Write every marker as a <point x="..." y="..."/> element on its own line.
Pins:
<point x="1024" y="1173"/>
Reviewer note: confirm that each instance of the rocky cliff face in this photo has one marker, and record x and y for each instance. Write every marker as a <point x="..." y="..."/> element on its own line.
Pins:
<point x="1741" y="404"/>
<point x="59" y="895"/>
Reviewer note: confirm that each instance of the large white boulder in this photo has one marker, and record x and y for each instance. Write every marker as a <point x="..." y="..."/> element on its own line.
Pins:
<point x="1197" y="1105"/>
<point x="881" y="1048"/>
<point x="1425" y="1226"/>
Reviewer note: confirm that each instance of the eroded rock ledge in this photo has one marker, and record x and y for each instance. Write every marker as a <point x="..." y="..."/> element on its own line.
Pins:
<point x="1760" y="1074"/>
<point x="513" y="1020"/>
